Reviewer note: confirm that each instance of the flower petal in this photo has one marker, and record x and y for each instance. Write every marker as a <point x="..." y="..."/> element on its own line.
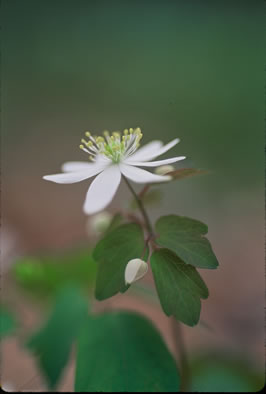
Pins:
<point x="155" y="163"/>
<point x="135" y="270"/>
<point x="72" y="166"/>
<point x="146" y="150"/>
<point x="76" y="176"/>
<point x="138" y="175"/>
<point x="102" y="190"/>
<point x="154" y="152"/>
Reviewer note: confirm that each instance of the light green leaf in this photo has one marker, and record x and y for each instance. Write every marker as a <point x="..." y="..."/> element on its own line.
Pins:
<point x="179" y="286"/>
<point x="7" y="323"/>
<point x="113" y="253"/>
<point x="52" y="343"/>
<point x="123" y="352"/>
<point x="43" y="276"/>
<point x="184" y="236"/>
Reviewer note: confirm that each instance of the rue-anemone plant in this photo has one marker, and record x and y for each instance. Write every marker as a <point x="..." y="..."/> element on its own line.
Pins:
<point x="175" y="248"/>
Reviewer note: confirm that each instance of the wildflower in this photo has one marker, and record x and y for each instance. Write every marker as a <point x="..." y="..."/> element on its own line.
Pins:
<point x="135" y="270"/>
<point x="111" y="156"/>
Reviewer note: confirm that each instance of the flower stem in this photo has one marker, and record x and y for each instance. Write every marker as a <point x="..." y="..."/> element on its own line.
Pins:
<point x="143" y="191"/>
<point x="176" y="328"/>
<point x="141" y="207"/>
<point x="180" y="347"/>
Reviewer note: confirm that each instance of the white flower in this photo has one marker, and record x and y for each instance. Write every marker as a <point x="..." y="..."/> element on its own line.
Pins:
<point x="135" y="270"/>
<point x="110" y="157"/>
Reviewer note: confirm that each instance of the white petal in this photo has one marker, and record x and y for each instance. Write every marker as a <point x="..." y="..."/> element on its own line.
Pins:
<point x="141" y="176"/>
<point x="146" y="150"/>
<point x="154" y="153"/>
<point x="72" y="166"/>
<point x="135" y="270"/>
<point x="102" y="190"/>
<point x="73" y="177"/>
<point x="155" y="163"/>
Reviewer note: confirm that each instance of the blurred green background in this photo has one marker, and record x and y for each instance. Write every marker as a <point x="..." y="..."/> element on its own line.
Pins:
<point x="187" y="69"/>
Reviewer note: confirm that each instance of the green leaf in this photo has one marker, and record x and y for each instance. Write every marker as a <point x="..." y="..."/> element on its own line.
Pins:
<point x="7" y="323"/>
<point x="52" y="343"/>
<point x="43" y="276"/>
<point x="184" y="236"/>
<point x="186" y="172"/>
<point x="179" y="286"/>
<point x="113" y="253"/>
<point x="123" y="352"/>
<point x="224" y="373"/>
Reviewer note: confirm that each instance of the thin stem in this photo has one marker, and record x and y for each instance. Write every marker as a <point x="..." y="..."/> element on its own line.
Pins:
<point x="141" y="207"/>
<point x="143" y="191"/>
<point x="181" y="349"/>
<point x="177" y="333"/>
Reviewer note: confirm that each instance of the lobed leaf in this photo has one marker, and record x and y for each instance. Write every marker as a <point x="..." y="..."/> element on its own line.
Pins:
<point x="112" y="253"/>
<point x="185" y="237"/>
<point x="179" y="286"/>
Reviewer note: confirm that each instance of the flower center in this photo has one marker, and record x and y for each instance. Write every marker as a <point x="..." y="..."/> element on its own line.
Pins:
<point x="115" y="146"/>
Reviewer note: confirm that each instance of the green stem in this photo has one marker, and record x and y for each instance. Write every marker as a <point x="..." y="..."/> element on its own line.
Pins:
<point x="177" y="333"/>
<point x="180" y="346"/>
<point x="141" y="207"/>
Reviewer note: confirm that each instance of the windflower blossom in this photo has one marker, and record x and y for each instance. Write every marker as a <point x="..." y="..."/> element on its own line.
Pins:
<point x="111" y="157"/>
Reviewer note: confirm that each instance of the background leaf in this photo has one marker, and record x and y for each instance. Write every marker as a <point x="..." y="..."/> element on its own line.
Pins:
<point x="52" y="343"/>
<point x="7" y="323"/>
<point x="179" y="286"/>
<point x="123" y="352"/>
<point x="113" y="253"/>
<point x="217" y="372"/>
<point x="184" y="236"/>
<point x="44" y="276"/>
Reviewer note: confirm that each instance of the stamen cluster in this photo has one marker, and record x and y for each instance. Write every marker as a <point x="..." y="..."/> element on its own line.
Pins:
<point x="115" y="146"/>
